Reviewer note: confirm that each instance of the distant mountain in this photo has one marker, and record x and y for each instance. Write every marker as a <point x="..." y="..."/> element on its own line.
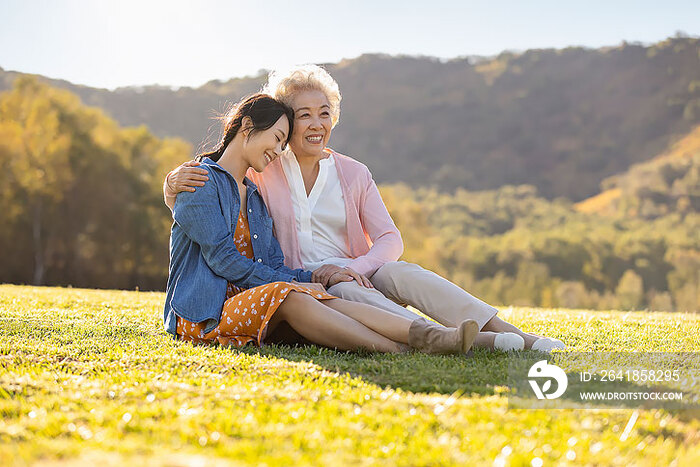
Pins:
<point x="665" y="184"/>
<point x="562" y="120"/>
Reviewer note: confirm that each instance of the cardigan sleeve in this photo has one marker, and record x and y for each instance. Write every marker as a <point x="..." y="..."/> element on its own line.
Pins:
<point x="379" y="228"/>
<point x="168" y="195"/>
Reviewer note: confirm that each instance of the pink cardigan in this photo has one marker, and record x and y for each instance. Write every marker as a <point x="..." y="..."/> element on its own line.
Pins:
<point x="372" y="237"/>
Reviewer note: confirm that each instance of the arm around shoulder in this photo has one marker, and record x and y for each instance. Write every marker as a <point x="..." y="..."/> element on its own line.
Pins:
<point x="169" y="195"/>
<point x="185" y="177"/>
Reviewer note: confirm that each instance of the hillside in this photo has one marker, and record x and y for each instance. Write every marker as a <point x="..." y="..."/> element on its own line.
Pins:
<point x="561" y="120"/>
<point x="509" y="246"/>
<point x="634" y="245"/>
<point x="96" y="218"/>
<point x="667" y="183"/>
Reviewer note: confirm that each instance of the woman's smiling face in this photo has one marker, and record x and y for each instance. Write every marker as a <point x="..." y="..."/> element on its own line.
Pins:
<point x="265" y="146"/>
<point x="312" y="123"/>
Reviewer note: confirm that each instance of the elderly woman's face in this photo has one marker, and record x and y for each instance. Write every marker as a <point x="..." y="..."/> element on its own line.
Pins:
<point x="312" y="123"/>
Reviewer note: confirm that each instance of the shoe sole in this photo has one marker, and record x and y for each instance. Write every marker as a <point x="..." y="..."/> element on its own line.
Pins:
<point x="469" y="330"/>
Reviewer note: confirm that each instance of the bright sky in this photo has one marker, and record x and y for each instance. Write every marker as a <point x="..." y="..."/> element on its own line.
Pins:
<point x="111" y="43"/>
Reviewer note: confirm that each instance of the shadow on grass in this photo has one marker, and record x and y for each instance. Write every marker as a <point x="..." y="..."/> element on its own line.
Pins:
<point x="480" y="372"/>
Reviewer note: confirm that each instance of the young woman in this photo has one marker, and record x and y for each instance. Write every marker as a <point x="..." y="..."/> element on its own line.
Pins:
<point x="330" y="218"/>
<point x="228" y="282"/>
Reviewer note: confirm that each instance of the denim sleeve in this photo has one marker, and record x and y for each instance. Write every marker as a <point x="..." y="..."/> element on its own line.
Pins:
<point x="277" y="262"/>
<point x="199" y="215"/>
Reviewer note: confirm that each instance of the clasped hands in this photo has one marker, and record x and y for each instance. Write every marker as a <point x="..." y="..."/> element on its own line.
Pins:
<point x="330" y="274"/>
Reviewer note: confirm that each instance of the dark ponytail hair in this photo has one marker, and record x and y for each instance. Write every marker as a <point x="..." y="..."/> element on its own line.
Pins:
<point x="263" y="110"/>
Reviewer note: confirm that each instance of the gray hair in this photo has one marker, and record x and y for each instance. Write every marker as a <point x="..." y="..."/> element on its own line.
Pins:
<point x="282" y="84"/>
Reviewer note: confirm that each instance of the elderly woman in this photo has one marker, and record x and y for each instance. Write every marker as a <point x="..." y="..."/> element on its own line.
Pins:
<point x="329" y="218"/>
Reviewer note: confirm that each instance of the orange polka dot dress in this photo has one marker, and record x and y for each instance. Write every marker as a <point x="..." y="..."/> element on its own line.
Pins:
<point x="246" y="313"/>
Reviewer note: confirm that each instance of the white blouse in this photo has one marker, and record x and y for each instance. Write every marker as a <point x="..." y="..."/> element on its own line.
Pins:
<point x="320" y="217"/>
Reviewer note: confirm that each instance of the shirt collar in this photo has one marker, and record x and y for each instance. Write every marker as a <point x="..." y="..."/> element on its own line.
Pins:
<point x="246" y="181"/>
<point x="288" y="154"/>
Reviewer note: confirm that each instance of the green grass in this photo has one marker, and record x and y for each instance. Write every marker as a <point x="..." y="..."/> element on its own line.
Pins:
<point x="89" y="377"/>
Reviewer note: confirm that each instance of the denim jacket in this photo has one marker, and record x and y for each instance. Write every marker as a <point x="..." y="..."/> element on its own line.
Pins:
<point x="203" y="255"/>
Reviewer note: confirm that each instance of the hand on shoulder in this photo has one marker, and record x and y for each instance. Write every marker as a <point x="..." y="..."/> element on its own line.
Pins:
<point x="187" y="177"/>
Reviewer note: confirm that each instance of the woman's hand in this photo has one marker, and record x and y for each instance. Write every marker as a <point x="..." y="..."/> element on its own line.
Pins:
<point x="359" y="278"/>
<point x="330" y="274"/>
<point x="324" y="273"/>
<point x="186" y="177"/>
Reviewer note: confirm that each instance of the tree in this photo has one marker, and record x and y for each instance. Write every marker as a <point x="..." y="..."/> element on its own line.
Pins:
<point x="630" y="291"/>
<point x="81" y="196"/>
<point x="37" y="145"/>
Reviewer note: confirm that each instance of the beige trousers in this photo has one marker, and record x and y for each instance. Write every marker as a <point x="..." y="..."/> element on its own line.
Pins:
<point x="400" y="283"/>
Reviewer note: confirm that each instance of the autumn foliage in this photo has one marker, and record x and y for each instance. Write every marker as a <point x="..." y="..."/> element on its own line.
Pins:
<point x="81" y="196"/>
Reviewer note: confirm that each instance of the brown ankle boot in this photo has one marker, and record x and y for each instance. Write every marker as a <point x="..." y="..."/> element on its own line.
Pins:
<point x="437" y="339"/>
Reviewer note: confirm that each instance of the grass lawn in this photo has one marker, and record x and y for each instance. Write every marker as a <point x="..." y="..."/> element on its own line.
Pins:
<point x="89" y="376"/>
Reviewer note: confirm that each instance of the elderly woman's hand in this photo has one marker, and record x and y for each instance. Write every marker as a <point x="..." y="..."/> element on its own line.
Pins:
<point x="186" y="178"/>
<point x="330" y="274"/>
<point x="322" y="274"/>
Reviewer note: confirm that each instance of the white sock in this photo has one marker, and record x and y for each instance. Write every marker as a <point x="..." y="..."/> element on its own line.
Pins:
<point x="508" y="341"/>
<point x="547" y="344"/>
